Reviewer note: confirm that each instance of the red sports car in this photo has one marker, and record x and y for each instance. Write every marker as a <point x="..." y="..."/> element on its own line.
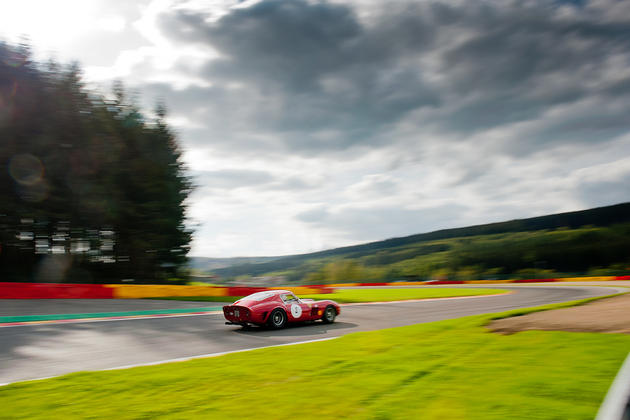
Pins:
<point x="277" y="307"/>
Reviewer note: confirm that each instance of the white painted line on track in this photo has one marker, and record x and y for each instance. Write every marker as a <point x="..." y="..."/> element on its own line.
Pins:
<point x="183" y="359"/>
<point x="110" y="319"/>
<point x="26" y="380"/>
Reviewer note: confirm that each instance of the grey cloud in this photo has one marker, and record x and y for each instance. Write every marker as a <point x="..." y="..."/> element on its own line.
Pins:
<point x="363" y="224"/>
<point x="375" y="186"/>
<point x="294" y="183"/>
<point x="315" y="66"/>
<point x="514" y="51"/>
<point x="296" y="43"/>
<point x="471" y="173"/>
<point x="244" y="178"/>
<point x="598" y="193"/>
<point x="596" y="125"/>
<point x="317" y="79"/>
<point x="233" y="178"/>
<point x="619" y="87"/>
<point x="316" y="215"/>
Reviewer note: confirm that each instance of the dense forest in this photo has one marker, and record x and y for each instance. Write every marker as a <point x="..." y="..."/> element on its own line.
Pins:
<point x="90" y="189"/>
<point x="594" y="241"/>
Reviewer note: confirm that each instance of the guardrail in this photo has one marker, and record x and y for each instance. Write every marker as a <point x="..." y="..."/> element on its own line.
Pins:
<point x="616" y="405"/>
<point x="133" y="291"/>
<point x="54" y="291"/>
<point x="136" y="291"/>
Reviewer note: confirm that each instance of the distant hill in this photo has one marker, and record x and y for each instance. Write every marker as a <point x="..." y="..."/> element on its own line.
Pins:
<point x="600" y="216"/>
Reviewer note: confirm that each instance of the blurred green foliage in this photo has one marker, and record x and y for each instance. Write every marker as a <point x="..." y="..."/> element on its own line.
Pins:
<point x="533" y="254"/>
<point x="431" y="255"/>
<point x="90" y="189"/>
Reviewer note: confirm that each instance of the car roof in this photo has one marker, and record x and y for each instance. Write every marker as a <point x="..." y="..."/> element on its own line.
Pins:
<point x="274" y="292"/>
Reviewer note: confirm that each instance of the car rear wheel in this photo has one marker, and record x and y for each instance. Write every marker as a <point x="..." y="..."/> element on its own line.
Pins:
<point x="329" y="315"/>
<point x="277" y="319"/>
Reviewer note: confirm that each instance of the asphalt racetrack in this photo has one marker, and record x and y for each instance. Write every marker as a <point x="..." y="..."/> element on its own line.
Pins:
<point x="44" y="350"/>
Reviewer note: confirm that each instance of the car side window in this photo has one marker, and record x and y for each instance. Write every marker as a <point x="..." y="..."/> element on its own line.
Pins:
<point x="289" y="298"/>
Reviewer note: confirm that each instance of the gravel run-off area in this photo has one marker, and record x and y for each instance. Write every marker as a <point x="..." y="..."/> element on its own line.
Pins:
<point x="609" y="315"/>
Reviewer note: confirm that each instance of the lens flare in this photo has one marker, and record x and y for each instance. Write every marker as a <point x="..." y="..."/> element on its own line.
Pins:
<point x="26" y="169"/>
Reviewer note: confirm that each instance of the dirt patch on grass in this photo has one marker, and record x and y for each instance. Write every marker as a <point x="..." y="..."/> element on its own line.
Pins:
<point x="611" y="315"/>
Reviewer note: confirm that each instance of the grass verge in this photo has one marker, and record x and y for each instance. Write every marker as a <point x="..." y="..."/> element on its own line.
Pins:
<point x="366" y="295"/>
<point x="451" y="369"/>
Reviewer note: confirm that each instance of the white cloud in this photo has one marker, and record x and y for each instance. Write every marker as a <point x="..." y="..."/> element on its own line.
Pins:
<point x="112" y="23"/>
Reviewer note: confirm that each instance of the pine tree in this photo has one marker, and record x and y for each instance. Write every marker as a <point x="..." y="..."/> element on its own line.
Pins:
<point x="85" y="177"/>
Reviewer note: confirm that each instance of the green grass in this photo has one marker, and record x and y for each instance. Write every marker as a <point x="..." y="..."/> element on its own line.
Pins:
<point x="451" y="369"/>
<point x="368" y="295"/>
<point x="383" y="295"/>
<point x="203" y="283"/>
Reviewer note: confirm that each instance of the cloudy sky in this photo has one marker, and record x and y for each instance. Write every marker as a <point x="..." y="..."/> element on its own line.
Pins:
<point x="309" y="125"/>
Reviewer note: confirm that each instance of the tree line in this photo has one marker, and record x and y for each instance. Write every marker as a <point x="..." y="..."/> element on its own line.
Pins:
<point x="433" y="250"/>
<point x="545" y="253"/>
<point x="91" y="190"/>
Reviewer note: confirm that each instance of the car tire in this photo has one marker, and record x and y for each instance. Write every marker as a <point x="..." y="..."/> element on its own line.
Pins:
<point x="330" y="313"/>
<point x="277" y="319"/>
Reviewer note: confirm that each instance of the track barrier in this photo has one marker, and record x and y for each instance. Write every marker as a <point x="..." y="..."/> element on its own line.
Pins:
<point x="134" y="291"/>
<point x="139" y="291"/>
<point x="616" y="405"/>
<point x="54" y="291"/>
